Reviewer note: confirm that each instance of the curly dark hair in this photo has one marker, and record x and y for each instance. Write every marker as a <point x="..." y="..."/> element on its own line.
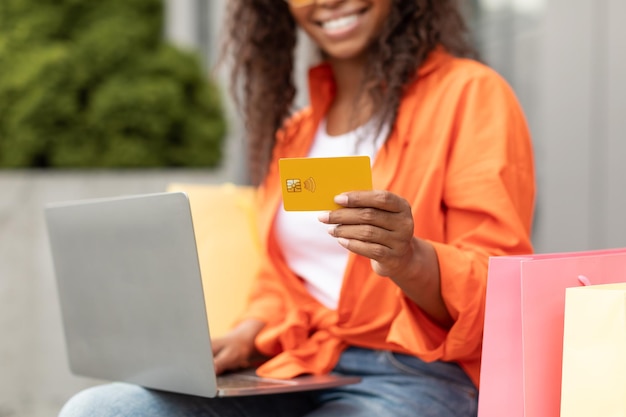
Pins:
<point x="261" y="41"/>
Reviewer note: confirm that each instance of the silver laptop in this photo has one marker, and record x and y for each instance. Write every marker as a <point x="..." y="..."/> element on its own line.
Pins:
<point x="132" y="301"/>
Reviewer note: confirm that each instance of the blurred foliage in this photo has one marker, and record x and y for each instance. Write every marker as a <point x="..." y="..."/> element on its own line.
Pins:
<point x="94" y="84"/>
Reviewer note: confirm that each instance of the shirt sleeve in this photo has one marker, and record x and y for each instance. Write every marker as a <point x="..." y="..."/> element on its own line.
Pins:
<point x="488" y="201"/>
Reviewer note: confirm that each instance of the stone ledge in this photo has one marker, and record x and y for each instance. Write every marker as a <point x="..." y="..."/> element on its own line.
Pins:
<point x="35" y="380"/>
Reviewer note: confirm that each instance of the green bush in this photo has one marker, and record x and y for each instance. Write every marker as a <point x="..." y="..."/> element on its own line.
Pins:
<point x="93" y="84"/>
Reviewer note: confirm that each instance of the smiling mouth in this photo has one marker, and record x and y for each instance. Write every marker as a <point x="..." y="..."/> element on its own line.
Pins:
<point x="343" y="23"/>
<point x="340" y="23"/>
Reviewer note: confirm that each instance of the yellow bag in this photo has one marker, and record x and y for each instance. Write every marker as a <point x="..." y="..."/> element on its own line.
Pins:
<point x="594" y="352"/>
<point x="224" y="221"/>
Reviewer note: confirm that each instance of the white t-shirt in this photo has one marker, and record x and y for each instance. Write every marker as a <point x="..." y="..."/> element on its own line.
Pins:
<point x="309" y="250"/>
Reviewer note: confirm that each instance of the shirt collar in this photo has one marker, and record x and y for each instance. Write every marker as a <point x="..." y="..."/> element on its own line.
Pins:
<point x="322" y="86"/>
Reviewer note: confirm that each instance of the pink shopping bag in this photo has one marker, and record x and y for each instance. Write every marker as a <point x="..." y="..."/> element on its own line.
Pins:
<point x="523" y="336"/>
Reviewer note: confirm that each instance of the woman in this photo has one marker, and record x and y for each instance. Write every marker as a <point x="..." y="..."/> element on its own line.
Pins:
<point x="392" y="285"/>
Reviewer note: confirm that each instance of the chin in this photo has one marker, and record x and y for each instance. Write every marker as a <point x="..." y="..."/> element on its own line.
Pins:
<point x="344" y="54"/>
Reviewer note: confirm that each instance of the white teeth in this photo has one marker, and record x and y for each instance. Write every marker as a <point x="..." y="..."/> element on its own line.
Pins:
<point x="340" y="23"/>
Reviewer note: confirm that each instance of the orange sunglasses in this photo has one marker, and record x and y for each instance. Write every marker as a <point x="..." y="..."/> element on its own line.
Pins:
<point x="300" y="3"/>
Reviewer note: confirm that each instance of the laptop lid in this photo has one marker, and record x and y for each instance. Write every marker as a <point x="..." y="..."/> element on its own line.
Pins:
<point x="132" y="301"/>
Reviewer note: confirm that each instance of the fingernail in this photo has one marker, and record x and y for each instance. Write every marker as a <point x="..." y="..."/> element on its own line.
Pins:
<point x="343" y="242"/>
<point x="324" y="217"/>
<point x="341" y="199"/>
<point x="331" y="230"/>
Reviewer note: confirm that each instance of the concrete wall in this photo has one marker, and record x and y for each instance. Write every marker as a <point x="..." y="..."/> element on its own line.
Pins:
<point x="34" y="376"/>
<point x="566" y="61"/>
<point x="582" y="134"/>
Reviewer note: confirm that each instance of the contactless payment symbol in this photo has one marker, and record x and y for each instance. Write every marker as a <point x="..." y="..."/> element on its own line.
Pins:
<point x="310" y="184"/>
<point x="294" y="185"/>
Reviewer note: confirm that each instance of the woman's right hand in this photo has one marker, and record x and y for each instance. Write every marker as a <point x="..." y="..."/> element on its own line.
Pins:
<point x="235" y="350"/>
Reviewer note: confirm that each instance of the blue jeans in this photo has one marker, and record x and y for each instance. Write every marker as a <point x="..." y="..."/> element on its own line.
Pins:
<point x="393" y="385"/>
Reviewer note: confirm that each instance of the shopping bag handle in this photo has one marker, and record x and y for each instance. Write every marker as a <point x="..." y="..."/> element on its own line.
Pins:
<point x="584" y="280"/>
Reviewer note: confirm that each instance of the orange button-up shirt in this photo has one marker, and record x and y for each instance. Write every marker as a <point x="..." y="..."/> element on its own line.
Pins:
<point x="460" y="153"/>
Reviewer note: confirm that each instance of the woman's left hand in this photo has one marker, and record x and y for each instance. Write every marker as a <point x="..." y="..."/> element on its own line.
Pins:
<point x="377" y="225"/>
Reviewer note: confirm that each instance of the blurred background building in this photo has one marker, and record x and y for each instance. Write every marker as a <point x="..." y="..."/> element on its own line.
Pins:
<point x="566" y="60"/>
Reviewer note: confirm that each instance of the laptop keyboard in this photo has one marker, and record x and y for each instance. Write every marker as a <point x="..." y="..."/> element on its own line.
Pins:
<point x="236" y="380"/>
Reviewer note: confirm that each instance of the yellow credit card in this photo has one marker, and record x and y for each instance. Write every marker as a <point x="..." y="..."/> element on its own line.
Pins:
<point x="310" y="184"/>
